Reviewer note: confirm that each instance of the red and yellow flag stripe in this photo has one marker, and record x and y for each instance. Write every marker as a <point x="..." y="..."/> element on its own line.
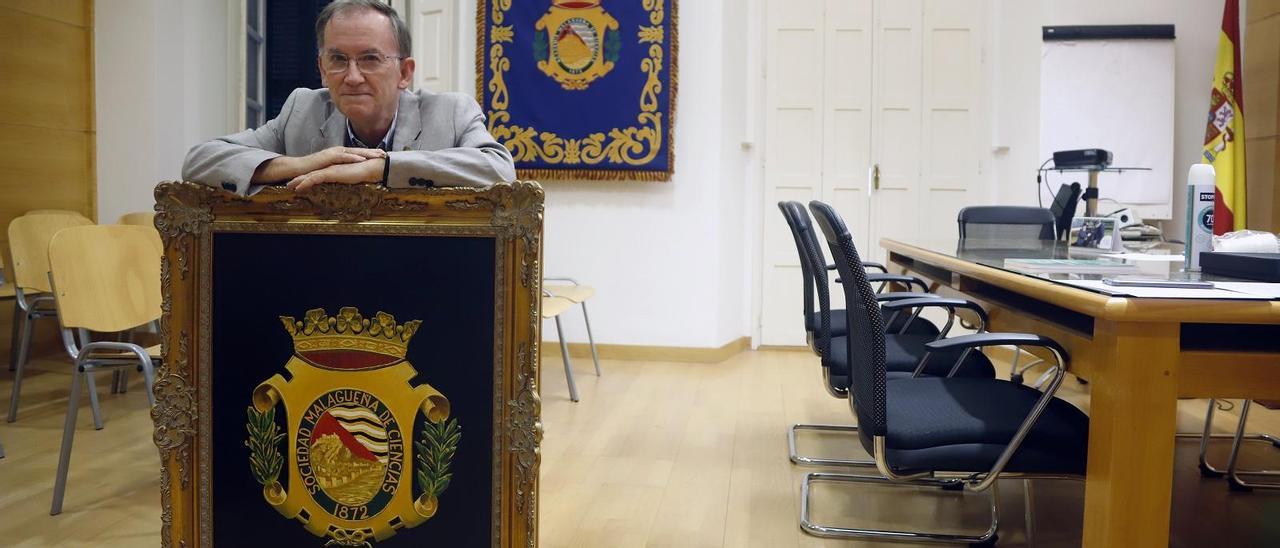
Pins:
<point x="1224" y="135"/>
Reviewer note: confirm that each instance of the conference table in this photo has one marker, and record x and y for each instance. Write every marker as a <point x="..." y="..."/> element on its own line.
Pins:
<point x="1140" y="354"/>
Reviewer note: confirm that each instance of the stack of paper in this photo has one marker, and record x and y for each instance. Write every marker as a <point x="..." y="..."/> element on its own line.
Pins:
<point x="1069" y="266"/>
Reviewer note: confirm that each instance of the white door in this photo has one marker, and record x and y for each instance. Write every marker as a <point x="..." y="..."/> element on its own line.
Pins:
<point x="431" y="22"/>
<point x="927" y="122"/>
<point x="872" y="106"/>
<point x="793" y="156"/>
<point x="951" y="167"/>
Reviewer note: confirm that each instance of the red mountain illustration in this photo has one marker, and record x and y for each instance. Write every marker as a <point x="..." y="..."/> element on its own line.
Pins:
<point x="329" y="425"/>
<point x="568" y="30"/>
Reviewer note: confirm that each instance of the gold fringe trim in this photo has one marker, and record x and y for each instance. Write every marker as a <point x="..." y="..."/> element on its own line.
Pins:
<point x="542" y="174"/>
<point x="482" y="7"/>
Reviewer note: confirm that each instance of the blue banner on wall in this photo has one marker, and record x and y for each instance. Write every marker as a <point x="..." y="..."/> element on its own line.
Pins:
<point x="580" y="89"/>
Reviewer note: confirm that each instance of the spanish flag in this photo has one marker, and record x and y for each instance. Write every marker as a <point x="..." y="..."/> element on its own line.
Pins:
<point x="1224" y="137"/>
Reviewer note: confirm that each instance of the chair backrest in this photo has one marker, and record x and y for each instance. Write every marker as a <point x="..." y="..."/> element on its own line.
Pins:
<point x="813" y="265"/>
<point x="106" y="277"/>
<point x="54" y="212"/>
<point x="805" y="272"/>
<point x="8" y="270"/>
<point x="1006" y="223"/>
<point x="29" y="237"/>
<point x="138" y="218"/>
<point x="866" y="338"/>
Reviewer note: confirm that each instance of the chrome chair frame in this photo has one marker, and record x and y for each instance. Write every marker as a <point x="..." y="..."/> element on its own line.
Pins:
<point x="595" y="357"/>
<point x="85" y="364"/>
<point x="25" y="312"/>
<point x="1207" y="469"/>
<point x="976" y="482"/>
<point x="1234" y="473"/>
<point x="564" y="354"/>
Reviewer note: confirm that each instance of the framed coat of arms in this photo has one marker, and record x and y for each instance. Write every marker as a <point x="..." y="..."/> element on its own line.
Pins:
<point x="580" y="89"/>
<point x="350" y="366"/>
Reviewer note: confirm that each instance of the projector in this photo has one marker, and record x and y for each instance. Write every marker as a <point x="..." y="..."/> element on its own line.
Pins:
<point x="1091" y="158"/>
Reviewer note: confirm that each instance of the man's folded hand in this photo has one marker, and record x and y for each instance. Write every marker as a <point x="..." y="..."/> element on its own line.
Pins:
<point x="285" y="168"/>
<point x="367" y="171"/>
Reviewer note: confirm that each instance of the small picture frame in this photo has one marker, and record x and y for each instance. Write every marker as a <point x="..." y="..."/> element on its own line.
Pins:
<point x="1096" y="233"/>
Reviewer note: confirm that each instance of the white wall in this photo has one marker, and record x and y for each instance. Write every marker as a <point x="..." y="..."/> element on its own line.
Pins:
<point x="1016" y="108"/>
<point x="676" y="263"/>
<point x="669" y="260"/>
<point x="161" y="87"/>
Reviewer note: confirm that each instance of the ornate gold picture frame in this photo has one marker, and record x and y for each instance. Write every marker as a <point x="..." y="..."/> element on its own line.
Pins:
<point x="201" y="226"/>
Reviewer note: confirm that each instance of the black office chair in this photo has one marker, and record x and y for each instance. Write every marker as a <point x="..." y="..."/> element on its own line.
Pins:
<point x="1003" y="229"/>
<point x="813" y="265"/>
<point x="970" y="430"/>
<point x="1007" y="223"/>
<point x="906" y="336"/>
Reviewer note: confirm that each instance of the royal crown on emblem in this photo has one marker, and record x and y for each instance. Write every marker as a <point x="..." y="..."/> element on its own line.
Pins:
<point x="575" y="4"/>
<point x="319" y="334"/>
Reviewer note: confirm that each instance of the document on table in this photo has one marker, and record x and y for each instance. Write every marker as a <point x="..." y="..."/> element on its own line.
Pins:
<point x="1220" y="291"/>
<point x="1136" y="257"/>
<point x="1264" y="289"/>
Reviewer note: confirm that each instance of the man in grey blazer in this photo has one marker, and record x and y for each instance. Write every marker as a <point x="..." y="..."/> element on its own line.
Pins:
<point x="364" y="127"/>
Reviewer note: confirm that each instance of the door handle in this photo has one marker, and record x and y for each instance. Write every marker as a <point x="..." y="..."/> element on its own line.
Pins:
<point x="874" y="175"/>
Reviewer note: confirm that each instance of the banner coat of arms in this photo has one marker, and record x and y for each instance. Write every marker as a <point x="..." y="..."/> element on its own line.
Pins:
<point x="580" y="89"/>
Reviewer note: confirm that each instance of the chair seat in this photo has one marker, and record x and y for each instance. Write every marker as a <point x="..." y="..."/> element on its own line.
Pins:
<point x="575" y="293"/>
<point x="903" y="354"/>
<point x="555" y="306"/>
<point x="840" y="326"/>
<point x="964" y="424"/>
<point x="152" y="351"/>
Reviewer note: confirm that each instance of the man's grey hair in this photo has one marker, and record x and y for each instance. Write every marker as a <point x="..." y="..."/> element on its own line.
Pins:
<point x="403" y="41"/>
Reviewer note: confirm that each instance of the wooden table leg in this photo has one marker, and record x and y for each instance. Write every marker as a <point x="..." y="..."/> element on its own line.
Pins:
<point x="1132" y="423"/>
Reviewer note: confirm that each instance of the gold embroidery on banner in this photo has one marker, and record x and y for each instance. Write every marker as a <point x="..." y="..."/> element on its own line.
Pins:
<point x="635" y="145"/>
<point x="650" y="35"/>
<point x="502" y="33"/>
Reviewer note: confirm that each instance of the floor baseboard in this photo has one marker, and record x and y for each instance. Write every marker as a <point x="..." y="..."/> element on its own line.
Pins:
<point x="652" y="353"/>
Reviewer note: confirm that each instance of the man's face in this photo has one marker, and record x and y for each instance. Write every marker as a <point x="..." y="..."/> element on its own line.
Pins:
<point x="366" y="98"/>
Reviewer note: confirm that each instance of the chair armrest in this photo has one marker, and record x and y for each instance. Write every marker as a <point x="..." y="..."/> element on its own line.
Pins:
<point x="903" y="295"/>
<point x="979" y="340"/>
<point x="944" y="302"/>
<point x="865" y="264"/>
<point x="969" y="342"/>
<point x="873" y="277"/>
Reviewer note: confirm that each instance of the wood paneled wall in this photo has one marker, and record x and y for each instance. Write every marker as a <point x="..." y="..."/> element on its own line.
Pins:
<point x="1262" y="112"/>
<point x="47" y="133"/>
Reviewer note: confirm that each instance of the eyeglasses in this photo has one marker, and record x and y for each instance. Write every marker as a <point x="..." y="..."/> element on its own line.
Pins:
<point x="337" y="63"/>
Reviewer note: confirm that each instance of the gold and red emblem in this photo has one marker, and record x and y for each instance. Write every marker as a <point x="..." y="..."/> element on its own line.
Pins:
<point x="357" y="472"/>
<point x="576" y="42"/>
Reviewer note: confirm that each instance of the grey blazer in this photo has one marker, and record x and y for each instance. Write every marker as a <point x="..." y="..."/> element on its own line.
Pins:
<point x="440" y="140"/>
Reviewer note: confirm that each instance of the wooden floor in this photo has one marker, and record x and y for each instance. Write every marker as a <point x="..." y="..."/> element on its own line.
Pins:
<point x="655" y="454"/>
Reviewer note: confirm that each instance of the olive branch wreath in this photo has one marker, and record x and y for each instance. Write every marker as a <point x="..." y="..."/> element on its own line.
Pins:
<point x="265" y="459"/>
<point x="435" y="449"/>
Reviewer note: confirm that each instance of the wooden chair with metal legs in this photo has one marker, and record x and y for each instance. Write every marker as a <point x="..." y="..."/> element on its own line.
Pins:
<point x="552" y="308"/>
<point x="576" y="293"/>
<point x="29" y="237"/>
<point x="138" y="218"/>
<point x="8" y="293"/>
<point x="120" y="379"/>
<point x="106" y="278"/>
